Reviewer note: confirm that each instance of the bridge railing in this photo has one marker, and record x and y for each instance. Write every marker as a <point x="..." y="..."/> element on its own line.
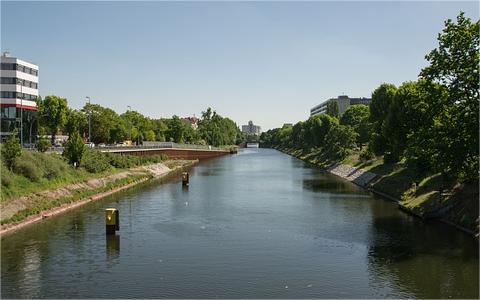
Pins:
<point x="160" y="145"/>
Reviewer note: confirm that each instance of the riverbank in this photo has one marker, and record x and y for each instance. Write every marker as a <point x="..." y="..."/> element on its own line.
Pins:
<point x="428" y="198"/>
<point x="22" y="211"/>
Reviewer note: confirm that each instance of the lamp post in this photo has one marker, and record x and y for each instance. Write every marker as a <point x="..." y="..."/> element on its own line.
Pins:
<point x="129" y="126"/>
<point x="89" y="121"/>
<point x="21" y="111"/>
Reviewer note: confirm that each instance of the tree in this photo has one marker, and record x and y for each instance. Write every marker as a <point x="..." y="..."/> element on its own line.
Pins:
<point x="339" y="141"/>
<point x="53" y="114"/>
<point x="357" y="117"/>
<point x="76" y="121"/>
<point x="176" y="129"/>
<point x="74" y="149"/>
<point x="332" y="109"/>
<point x="454" y="65"/>
<point x="11" y="149"/>
<point x="103" y="122"/>
<point x="382" y="98"/>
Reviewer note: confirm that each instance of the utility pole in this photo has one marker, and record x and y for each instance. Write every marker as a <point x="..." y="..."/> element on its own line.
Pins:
<point x="89" y="121"/>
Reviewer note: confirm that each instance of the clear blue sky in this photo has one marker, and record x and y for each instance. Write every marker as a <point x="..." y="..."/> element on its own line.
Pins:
<point x="261" y="61"/>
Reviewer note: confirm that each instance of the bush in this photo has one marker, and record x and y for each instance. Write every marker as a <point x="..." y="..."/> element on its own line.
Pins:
<point x="5" y="176"/>
<point x="28" y="169"/>
<point x="42" y="144"/>
<point x="366" y="154"/>
<point x="11" y="149"/>
<point x="94" y="161"/>
<point x="52" y="165"/>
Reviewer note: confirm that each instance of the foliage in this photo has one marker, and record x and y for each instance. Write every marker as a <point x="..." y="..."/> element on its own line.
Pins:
<point x="382" y="98"/>
<point x="42" y="144"/>
<point x="454" y="65"/>
<point x="74" y="149"/>
<point x="28" y="169"/>
<point x="52" y="112"/>
<point x="366" y="154"/>
<point x="339" y="141"/>
<point x="357" y="117"/>
<point x="11" y="149"/>
<point x="76" y="121"/>
<point x="332" y="109"/>
<point x="216" y="130"/>
<point x="94" y="161"/>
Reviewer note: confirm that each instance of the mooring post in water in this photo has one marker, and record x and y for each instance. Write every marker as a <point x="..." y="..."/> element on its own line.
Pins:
<point x="185" y="178"/>
<point x="112" y="220"/>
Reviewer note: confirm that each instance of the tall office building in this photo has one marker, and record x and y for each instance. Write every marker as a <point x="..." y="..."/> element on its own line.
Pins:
<point x="19" y="90"/>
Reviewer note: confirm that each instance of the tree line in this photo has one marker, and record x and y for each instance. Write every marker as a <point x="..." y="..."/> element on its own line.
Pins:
<point x="430" y="124"/>
<point x="106" y="126"/>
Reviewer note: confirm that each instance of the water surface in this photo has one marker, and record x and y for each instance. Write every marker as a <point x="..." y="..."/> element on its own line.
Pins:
<point x="259" y="224"/>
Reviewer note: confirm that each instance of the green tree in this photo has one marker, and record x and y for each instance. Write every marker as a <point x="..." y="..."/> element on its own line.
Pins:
<point x="357" y="117"/>
<point x="103" y="122"/>
<point x="339" y="141"/>
<point x="332" y="109"/>
<point x="454" y="65"/>
<point x="76" y="121"/>
<point x="74" y="149"/>
<point x="11" y="149"/>
<point x="382" y="98"/>
<point x="53" y="114"/>
<point x="177" y="129"/>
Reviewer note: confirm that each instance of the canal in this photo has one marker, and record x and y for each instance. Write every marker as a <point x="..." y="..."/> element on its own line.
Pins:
<point x="259" y="224"/>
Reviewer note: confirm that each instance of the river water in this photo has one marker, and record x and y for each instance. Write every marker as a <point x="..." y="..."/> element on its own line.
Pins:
<point x="259" y="224"/>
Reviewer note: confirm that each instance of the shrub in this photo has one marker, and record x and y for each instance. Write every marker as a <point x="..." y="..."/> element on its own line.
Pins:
<point x="42" y="144"/>
<point x="366" y="154"/>
<point x="11" y="150"/>
<point x="5" y="176"/>
<point x="28" y="169"/>
<point x="94" y="161"/>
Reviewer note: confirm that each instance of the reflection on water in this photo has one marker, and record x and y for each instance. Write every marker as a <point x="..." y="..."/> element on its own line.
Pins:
<point x="112" y="246"/>
<point x="259" y="224"/>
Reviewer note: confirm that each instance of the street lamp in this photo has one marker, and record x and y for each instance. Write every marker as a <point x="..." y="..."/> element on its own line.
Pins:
<point x="130" y="125"/>
<point x="21" y="111"/>
<point x="89" y="121"/>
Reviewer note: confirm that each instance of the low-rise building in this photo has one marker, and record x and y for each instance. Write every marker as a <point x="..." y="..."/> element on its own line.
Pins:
<point x="343" y="103"/>
<point x="251" y="129"/>
<point x="193" y="121"/>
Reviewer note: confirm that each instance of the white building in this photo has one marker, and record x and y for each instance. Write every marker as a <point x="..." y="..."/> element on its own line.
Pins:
<point x="343" y="103"/>
<point x="19" y="90"/>
<point x="251" y="129"/>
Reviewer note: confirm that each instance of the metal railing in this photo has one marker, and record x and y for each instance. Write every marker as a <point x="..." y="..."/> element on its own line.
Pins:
<point x="159" y="145"/>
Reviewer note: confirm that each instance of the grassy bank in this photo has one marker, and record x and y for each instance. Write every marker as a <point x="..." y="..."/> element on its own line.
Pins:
<point x="425" y="195"/>
<point x="39" y="182"/>
<point x="34" y="171"/>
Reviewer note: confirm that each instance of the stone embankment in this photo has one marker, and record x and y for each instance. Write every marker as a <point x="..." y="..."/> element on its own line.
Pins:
<point x="356" y="175"/>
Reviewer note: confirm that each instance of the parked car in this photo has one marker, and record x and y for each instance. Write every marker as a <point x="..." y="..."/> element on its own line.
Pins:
<point x="101" y="145"/>
<point x="90" y="145"/>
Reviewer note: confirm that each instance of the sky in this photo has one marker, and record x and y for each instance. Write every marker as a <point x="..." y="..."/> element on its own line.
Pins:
<point x="269" y="62"/>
